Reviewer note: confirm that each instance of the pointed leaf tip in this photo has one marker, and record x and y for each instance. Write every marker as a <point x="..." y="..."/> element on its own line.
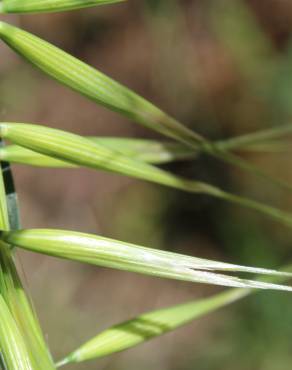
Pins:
<point x="115" y="254"/>
<point x="50" y="6"/>
<point x="153" y="324"/>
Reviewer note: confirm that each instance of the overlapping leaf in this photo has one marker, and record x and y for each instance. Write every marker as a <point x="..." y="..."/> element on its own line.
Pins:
<point x="95" y="85"/>
<point x="23" y="313"/>
<point x="154" y="151"/>
<point x="124" y="256"/>
<point x="12" y="347"/>
<point x="151" y="151"/>
<point x="23" y="329"/>
<point x="81" y="151"/>
<point x="14" y="296"/>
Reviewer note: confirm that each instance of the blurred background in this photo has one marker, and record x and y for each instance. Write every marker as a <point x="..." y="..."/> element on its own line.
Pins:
<point x="223" y="68"/>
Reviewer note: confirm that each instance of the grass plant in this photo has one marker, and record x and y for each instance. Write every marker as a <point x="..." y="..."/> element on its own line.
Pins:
<point x="22" y="344"/>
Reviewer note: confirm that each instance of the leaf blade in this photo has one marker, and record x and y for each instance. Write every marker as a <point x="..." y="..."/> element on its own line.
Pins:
<point x="49" y="6"/>
<point x="150" y="151"/>
<point x="152" y="324"/>
<point x="80" y="151"/>
<point x="98" y="87"/>
<point x="88" y="81"/>
<point x="12" y="346"/>
<point x="14" y="296"/>
<point x="100" y="251"/>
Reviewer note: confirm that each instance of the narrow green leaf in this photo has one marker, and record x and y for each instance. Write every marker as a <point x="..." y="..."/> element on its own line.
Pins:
<point x="13" y="293"/>
<point x="148" y="326"/>
<point x="259" y="137"/>
<point x="110" y="253"/>
<point x="92" y="83"/>
<point x="40" y="6"/>
<point x="154" y="151"/>
<point x="23" y="313"/>
<point x="20" y="155"/>
<point x="81" y="151"/>
<point x="152" y="324"/>
<point x="12" y="346"/>
<point x="107" y="92"/>
<point x="151" y="151"/>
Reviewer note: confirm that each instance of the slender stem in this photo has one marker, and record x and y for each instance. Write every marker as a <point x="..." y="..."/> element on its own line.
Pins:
<point x="254" y="138"/>
<point x="221" y="150"/>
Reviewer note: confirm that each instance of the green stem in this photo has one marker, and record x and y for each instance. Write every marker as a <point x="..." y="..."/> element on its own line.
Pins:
<point x="246" y="140"/>
<point x="19" y="304"/>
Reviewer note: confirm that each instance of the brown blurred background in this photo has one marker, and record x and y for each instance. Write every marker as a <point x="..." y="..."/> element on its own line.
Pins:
<point x="222" y="67"/>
